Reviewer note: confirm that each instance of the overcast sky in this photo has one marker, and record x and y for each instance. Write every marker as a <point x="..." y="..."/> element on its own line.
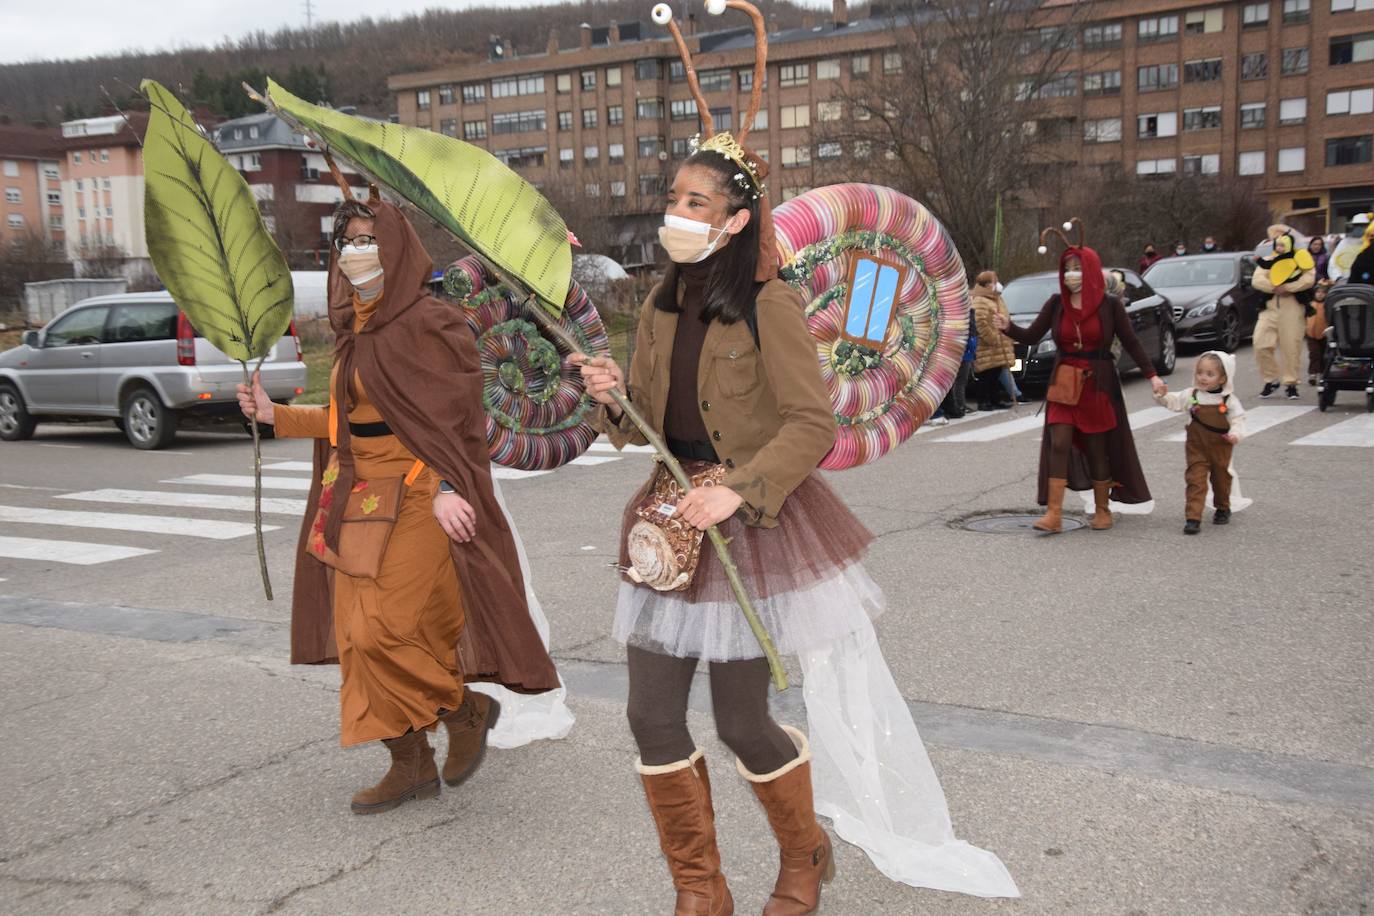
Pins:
<point x="43" y="29"/>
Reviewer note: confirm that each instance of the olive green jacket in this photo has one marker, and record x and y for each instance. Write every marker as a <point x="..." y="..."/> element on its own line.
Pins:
<point x="766" y="407"/>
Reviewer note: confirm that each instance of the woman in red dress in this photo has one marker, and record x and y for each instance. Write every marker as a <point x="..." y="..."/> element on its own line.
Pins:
<point x="1087" y="441"/>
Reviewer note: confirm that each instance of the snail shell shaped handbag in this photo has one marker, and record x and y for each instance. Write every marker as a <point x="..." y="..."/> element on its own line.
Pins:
<point x="664" y="551"/>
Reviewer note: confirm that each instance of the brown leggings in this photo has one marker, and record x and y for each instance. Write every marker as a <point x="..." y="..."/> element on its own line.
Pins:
<point x="1094" y="445"/>
<point x="657" y="710"/>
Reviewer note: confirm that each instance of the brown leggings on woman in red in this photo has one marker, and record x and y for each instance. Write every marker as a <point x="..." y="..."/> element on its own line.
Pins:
<point x="1094" y="446"/>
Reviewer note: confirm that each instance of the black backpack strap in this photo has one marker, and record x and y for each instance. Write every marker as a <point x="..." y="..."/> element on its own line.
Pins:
<point x="751" y="318"/>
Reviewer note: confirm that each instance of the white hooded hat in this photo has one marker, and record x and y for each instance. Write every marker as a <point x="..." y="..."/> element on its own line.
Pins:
<point x="1228" y="365"/>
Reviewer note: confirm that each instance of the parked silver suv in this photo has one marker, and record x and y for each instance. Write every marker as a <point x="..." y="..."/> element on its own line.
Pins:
<point x="135" y="358"/>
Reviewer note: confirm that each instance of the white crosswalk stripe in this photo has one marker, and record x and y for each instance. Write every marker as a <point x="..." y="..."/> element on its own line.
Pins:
<point x="73" y="553"/>
<point x="1357" y="432"/>
<point x="116" y="521"/>
<point x="299" y="484"/>
<point x="997" y="430"/>
<point x="270" y="505"/>
<point x="290" y="466"/>
<point x="1258" y="419"/>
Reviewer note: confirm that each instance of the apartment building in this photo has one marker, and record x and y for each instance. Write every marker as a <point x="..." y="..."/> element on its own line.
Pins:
<point x="102" y="188"/>
<point x="31" y="178"/>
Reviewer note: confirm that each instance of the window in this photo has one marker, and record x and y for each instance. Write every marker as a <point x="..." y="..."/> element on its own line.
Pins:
<point x="1156" y="28"/>
<point x="80" y="183"/>
<point x="829" y="149"/>
<point x="563" y="83"/>
<point x="1107" y="82"/>
<point x="51" y="172"/>
<point x="648" y="70"/>
<point x="1164" y="124"/>
<point x="1292" y="159"/>
<point x="474" y="92"/>
<point x="80" y="328"/>
<point x="617" y="189"/>
<point x="510" y="86"/>
<point x="251" y="163"/>
<point x="615" y="115"/>
<point x="1345" y="6"/>
<point x="650" y="185"/>
<point x="650" y="146"/>
<point x="612" y="77"/>
<point x="1254" y="15"/>
<point x="474" y="130"/>
<point x="829" y="111"/>
<point x="1102" y="36"/>
<point x="649" y="109"/>
<point x="588" y="80"/>
<point x="1148" y="167"/>
<point x="55" y="198"/>
<point x="1102" y="130"/>
<point x="55" y="222"/>
<point x="565" y="120"/>
<point x="105" y="154"/>
<point x="863" y="149"/>
<point x="449" y="127"/>
<point x="1062" y="86"/>
<point x="1297" y="10"/>
<point x="746" y="80"/>
<point x="12" y="196"/>
<point x="795" y="156"/>
<point x="681" y="148"/>
<point x="1202" y="165"/>
<point x="1346" y="49"/>
<point x="677" y="72"/>
<point x="827" y="69"/>
<point x="109" y="211"/>
<point x="794" y="75"/>
<point x="140" y="321"/>
<point x="722" y="118"/>
<point x="566" y="157"/>
<point x="1294" y="61"/>
<point x="761" y="120"/>
<point x="715" y="80"/>
<point x="795" y="116"/>
<point x="616" y="154"/>
<point x="1206" y="118"/>
<point x="860" y="65"/>
<point x="1350" y="102"/>
<point x="76" y="160"/>
<point x="1292" y="111"/>
<point x="421" y="102"/>
<point x="1349" y="150"/>
<point x="892" y="62"/>
<point x="446" y="94"/>
<point x="515" y="122"/>
<point x="80" y="212"/>
<point x="1251" y="163"/>
<point x="1254" y="66"/>
<point x="682" y="109"/>
<point x="1202" y="71"/>
<point x="1159" y="76"/>
<point x="105" y="183"/>
<point x="593" y="190"/>
<point x="523" y="157"/>
<point x="589" y="118"/>
<point x="862" y="112"/>
<point x="1198" y="22"/>
<point x="1251" y="115"/>
<point x="591" y="154"/>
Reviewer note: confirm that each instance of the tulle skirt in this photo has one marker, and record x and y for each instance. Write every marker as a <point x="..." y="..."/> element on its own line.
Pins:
<point x="804" y="577"/>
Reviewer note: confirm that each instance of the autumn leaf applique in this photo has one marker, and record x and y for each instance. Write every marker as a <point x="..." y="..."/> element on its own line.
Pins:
<point x="370" y="503"/>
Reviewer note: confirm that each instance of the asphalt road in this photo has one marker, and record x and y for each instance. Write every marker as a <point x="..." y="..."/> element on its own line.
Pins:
<point x="1135" y="721"/>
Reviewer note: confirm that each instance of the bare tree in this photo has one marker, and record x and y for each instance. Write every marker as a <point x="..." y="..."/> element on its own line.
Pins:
<point x="26" y="258"/>
<point x="101" y="260"/>
<point x="295" y="226"/>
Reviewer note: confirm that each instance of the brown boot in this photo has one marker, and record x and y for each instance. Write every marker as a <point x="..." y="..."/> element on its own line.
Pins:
<point x="412" y="776"/>
<point x="1053" y="519"/>
<point x="804" y="854"/>
<point x="679" y="796"/>
<point x="467" y="735"/>
<point x="1102" y="514"/>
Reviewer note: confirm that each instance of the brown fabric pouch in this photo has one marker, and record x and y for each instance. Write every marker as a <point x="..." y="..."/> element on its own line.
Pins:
<point x="664" y="551"/>
<point x="1067" y="386"/>
<point x="369" y="517"/>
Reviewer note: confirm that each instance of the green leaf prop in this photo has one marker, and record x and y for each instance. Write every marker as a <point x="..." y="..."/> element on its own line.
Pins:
<point x="211" y="248"/>
<point x="464" y="188"/>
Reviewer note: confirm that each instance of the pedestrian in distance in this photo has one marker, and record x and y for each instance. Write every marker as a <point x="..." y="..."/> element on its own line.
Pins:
<point x="1216" y="423"/>
<point x="995" y="354"/>
<point x="1150" y="257"/>
<point x="1180" y="248"/>
<point x="1316" y="332"/>
<point x="955" y="403"/>
<point x="1321" y="258"/>
<point x="1281" y="327"/>
<point x="1209" y="245"/>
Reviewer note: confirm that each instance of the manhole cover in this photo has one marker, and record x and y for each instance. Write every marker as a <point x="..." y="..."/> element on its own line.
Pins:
<point x="1018" y="523"/>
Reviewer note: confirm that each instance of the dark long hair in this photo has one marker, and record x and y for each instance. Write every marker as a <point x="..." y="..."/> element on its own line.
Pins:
<point x="730" y="286"/>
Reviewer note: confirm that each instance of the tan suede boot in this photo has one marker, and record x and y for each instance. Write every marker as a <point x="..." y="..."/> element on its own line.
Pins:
<point x="1053" y="519"/>
<point x="467" y="735"/>
<point x="804" y="853"/>
<point x="679" y="796"/>
<point x="412" y="776"/>
<point x="1102" y="514"/>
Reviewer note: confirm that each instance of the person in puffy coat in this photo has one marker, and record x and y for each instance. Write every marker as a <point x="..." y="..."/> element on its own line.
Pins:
<point x="996" y="353"/>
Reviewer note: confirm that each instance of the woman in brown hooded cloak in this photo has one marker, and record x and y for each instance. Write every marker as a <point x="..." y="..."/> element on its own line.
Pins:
<point x="448" y="603"/>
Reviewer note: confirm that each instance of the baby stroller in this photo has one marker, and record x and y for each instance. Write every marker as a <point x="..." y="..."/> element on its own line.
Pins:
<point x="1349" y="362"/>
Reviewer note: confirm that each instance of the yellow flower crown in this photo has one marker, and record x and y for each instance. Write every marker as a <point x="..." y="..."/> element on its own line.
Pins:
<point x="726" y="145"/>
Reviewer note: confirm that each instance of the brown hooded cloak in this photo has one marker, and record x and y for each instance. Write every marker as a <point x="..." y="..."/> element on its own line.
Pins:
<point x="418" y="363"/>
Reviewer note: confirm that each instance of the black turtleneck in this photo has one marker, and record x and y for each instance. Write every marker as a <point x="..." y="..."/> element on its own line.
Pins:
<point x="682" y="416"/>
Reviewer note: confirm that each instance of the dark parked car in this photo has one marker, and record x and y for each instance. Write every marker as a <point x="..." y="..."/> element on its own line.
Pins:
<point x="1214" y="304"/>
<point x="1151" y="318"/>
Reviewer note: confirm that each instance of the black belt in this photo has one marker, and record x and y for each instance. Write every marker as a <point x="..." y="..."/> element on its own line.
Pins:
<point x="369" y="430"/>
<point x="693" y="451"/>
<point x="1215" y="429"/>
<point x="1085" y="354"/>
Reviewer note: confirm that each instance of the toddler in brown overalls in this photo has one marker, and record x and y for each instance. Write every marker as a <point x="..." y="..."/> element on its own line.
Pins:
<point x="1217" y="424"/>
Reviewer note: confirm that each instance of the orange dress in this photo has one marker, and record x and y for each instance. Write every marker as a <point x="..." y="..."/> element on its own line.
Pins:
<point x="397" y="634"/>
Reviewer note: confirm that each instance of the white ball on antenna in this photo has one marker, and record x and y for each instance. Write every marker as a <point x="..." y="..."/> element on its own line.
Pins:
<point x="1042" y="250"/>
<point x="1068" y="226"/>
<point x="662" y="14"/>
<point x="715" y="7"/>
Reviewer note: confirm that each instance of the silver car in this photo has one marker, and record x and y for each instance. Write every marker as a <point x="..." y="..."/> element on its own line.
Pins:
<point x="135" y="359"/>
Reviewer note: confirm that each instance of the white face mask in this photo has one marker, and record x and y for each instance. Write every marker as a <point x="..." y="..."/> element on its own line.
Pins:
<point x="1073" y="279"/>
<point x="361" y="265"/>
<point x="688" y="241"/>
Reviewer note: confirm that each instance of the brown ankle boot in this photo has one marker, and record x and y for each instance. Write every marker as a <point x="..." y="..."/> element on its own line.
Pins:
<point x="804" y="853"/>
<point x="467" y="735"/>
<point x="412" y="776"/>
<point x="679" y="796"/>
<point x="1053" y="519"/>
<point x="1102" y="514"/>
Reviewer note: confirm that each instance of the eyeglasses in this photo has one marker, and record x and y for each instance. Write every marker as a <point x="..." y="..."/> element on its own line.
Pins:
<point x="358" y="241"/>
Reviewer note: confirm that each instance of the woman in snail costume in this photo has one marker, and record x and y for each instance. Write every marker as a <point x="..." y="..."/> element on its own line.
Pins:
<point x="410" y="616"/>
<point x="726" y="371"/>
<point x="1087" y="442"/>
